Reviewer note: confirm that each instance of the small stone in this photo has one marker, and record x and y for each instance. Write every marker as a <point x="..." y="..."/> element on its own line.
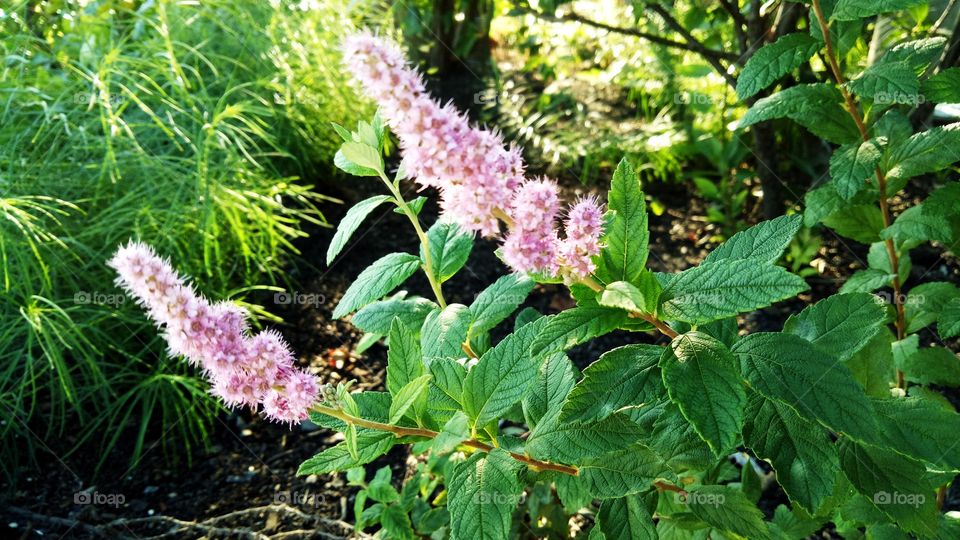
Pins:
<point x="312" y="479"/>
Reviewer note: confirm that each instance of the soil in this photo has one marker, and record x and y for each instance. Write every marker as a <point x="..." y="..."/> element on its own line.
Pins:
<point x="244" y="485"/>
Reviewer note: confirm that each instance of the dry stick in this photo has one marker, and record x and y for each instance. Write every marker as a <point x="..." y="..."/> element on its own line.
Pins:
<point x="881" y="179"/>
<point x="401" y="431"/>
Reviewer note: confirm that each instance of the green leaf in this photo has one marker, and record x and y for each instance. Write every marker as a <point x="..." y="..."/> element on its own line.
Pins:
<point x="624" y="255"/>
<point x="727" y="508"/>
<point x="764" y="241"/>
<point x="625" y="376"/>
<point x="370" y="445"/>
<point x="622" y="473"/>
<point x="553" y="382"/>
<point x="800" y="451"/>
<point x="454" y="432"/>
<point x="839" y="325"/>
<point x="349" y="167"/>
<point x="482" y="492"/>
<point x="444" y="332"/>
<point x="378" y="279"/>
<point x="498" y="301"/>
<point x="948" y="323"/>
<point x="406" y="397"/>
<point x="862" y="222"/>
<point x="773" y="61"/>
<point x="887" y="83"/>
<point x="851" y="165"/>
<point x="897" y="486"/>
<point x="924" y="152"/>
<point x="790" y="369"/>
<point x="378" y="317"/>
<point x="450" y="247"/>
<point x="944" y="87"/>
<point x="825" y="201"/>
<point x="703" y="380"/>
<point x="924" y="303"/>
<point x="725" y="288"/>
<point x="350" y="222"/>
<point x="625" y="519"/>
<point x="867" y="280"/>
<point x="675" y="440"/>
<point x="363" y="155"/>
<point x="501" y="377"/>
<point x="933" y="365"/>
<point x="380" y="489"/>
<point x="575" y="442"/>
<point x="879" y="258"/>
<point x="914" y="227"/>
<point x="814" y="106"/>
<point x="626" y="296"/>
<point x="849" y="10"/>
<point x="395" y="521"/>
<point x="404" y="362"/>
<point x="872" y="366"/>
<point x="446" y="389"/>
<point x="919" y="53"/>
<point x="944" y="201"/>
<point x="921" y="429"/>
<point x="574" y="326"/>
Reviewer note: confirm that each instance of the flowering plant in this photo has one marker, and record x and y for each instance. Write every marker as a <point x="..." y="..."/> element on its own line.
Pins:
<point x="511" y="433"/>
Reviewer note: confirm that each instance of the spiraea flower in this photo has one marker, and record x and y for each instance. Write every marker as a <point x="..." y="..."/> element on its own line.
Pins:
<point x="472" y="168"/>
<point x="531" y="245"/>
<point x="244" y="370"/>
<point x="583" y="227"/>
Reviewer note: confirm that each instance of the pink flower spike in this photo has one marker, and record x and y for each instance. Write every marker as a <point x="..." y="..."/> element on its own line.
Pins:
<point x="531" y="245"/>
<point x="583" y="227"/>
<point x="244" y="370"/>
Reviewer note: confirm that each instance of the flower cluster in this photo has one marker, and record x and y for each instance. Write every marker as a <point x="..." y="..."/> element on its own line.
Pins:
<point x="245" y="370"/>
<point x="474" y="171"/>
<point x="478" y="177"/>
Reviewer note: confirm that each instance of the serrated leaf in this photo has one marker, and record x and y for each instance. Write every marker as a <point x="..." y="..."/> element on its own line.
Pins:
<point x="851" y="165"/>
<point x="773" y="61"/>
<point x="849" y="10"/>
<point x="625" y="518"/>
<point x="501" y="377"/>
<point x="446" y="389"/>
<point x="924" y="152"/>
<point x="944" y="201"/>
<point x="727" y="508"/>
<point x="454" y="432"/>
<point x="626" y="296"/>
<point x="574" y="326"/>
<point x="921" y="429"/>
<point x="370" y="445"/>
<point x="406" y="397"/>
<point x="378" y="279"/>
<point x="363" y="155"/>
<point x="370" y="405"/>
<point x="498" y="301"/>
<point x="914" y="227"/>
<point x="626" y="236"/>
<point x="872" y="366"/>
<point x="944" y="87"/>
<point x="553" y="382"/>
<point x="839" y="325"/>
<point x="724" y="288"/>
<point x="825" y="201"/>
<point x="444" y="332"/>
<point x="702" y="378"/>
<point x="349" y="167"/>
<point x="805" y="460"/>
<point x="622" y="473"/>
<point x="482" y="494"/>
<point x="919" y="53"/>
<point x="764" y="241"/>
<point x="675" y="440"/>
<point x="814" y="106"/>
<point x="622" y="377"/>
<point x="867" y="280"/>
<point x="948" y="323"/>
<point x="350" y="222"/>
<point x="933" y="365"/>
<point x="450" y="248"/>
<point x="861" y="222"/>
<point x="897" y="486"/>
<point x="792" y="370"/>
<point x="924" y="303"/>
<point x="887" y="83"/>
<point x="575" y="442"/>
<point x="395" y="521"/>
<point x="377" y="318"/>
<point x="404" y="362"/>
